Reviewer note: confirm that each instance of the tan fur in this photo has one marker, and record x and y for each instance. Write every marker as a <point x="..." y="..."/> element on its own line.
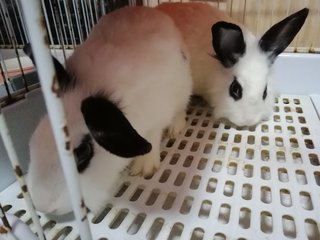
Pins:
<point x="195" y="21"/>
<point x="135" y="56"/>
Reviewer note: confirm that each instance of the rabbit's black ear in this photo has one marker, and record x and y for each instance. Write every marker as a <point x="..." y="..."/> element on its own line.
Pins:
<point x="228" y="43"/>
<point x="64" y="79"/>
<point x="280" y="35"/>
<point x="111" y="129"/>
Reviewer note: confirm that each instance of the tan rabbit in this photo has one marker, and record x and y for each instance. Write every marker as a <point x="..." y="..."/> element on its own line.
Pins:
<point x="121" y="88"/>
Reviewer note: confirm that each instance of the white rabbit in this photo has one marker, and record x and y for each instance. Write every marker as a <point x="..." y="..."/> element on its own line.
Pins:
<point x="230" y="66"/>
<point x="121" y="88"/>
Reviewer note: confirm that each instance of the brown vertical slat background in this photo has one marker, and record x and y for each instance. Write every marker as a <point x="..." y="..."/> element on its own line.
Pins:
<point x="259" y="15"/>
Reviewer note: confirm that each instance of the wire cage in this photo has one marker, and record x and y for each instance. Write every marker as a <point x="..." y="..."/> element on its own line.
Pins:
<point x="216" y="180"/>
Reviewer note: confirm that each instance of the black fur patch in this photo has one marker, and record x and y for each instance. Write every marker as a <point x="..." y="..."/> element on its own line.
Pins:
<point x="280" y="35"/>
<point x="65" y="81"/>
<point x="235" y="90"/>
<point x="264" y="96"/>
<point x="111" y="129"/>
<point x="228" y="43"/>
<point x="84" y="153"/>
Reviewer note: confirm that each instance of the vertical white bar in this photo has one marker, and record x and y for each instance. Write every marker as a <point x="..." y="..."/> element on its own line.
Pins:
<point x="77" y="15"/>
<point x="90" y="13"/>
<point x="39" y="42"/>
<point x="96" y="10"/>
<point x="103" y="7"/>
<point x="7" y="33"/>
<point x="7" y="21"/>
<point x="62" y="25"/>
<point x="2" y="39"/>
<point x="21" y="18"/>
<point x="13" y="39"/>
<point x="47" y="21"/>
<point x="7" y="141"/>
<point x="17" y="20"/>
<point x="70" y="25"/>
<point x="54" y="22"/>
<point x="61" y="30"/>
<point x="84" y="12"/>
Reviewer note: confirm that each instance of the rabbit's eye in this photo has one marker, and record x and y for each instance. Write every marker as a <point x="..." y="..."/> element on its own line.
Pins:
<point x="235" y="90"/>
<point x="264" y="93"/>
<point x="83" y="153"/>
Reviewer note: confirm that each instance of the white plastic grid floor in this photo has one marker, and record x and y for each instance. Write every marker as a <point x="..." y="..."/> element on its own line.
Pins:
<point x="217" y="182"/>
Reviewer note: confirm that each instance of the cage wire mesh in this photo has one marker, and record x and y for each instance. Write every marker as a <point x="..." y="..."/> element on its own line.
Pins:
<point x="263" y="182"/>
<point x="68" y="24"/>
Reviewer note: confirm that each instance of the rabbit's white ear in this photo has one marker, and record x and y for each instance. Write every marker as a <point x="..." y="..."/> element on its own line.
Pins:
<point x="111" y="129"/>
<point x="280" y="35"/>
<point x="64" y="79"/>
<point x="228" y="43"/>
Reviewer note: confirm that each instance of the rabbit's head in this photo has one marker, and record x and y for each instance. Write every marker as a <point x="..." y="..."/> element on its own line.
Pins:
<point x="246" y="98"/>
<point x="102" y="140"/>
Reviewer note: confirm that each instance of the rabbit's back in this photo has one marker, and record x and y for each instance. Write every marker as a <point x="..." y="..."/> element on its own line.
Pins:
<point x="195" y="20"/>
<point x="136" y="55"/>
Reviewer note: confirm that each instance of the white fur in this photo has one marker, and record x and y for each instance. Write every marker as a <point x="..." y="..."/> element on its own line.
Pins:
<point x="252" y="73"/>
<point x="134" y="56"/>
<point x="211" y="79"/>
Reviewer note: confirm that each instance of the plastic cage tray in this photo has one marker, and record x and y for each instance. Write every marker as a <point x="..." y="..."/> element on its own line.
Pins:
<point x="217" y="182"/>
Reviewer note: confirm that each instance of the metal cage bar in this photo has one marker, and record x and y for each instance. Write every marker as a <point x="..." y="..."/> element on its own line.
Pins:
<point x="47" y="75"/>
<point x="18" y="172"/>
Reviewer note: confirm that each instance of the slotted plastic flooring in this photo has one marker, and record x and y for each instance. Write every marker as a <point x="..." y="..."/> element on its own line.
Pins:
<point x="217" y="182"/>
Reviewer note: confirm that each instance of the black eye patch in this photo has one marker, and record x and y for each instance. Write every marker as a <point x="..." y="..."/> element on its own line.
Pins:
<point x="235" y="90"/>
<point x="264" y="96"/>
<point x="84" y="153"/>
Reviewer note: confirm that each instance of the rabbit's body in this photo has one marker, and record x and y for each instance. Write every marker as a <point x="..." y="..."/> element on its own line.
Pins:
<point x="134" y="61"/>
<point x="124" y="51"/>
<point x="240" y="59"/>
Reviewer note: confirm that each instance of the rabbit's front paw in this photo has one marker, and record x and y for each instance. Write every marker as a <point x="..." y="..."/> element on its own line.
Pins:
<point x="145" y="165"/>
<point x="177" y="126"/>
